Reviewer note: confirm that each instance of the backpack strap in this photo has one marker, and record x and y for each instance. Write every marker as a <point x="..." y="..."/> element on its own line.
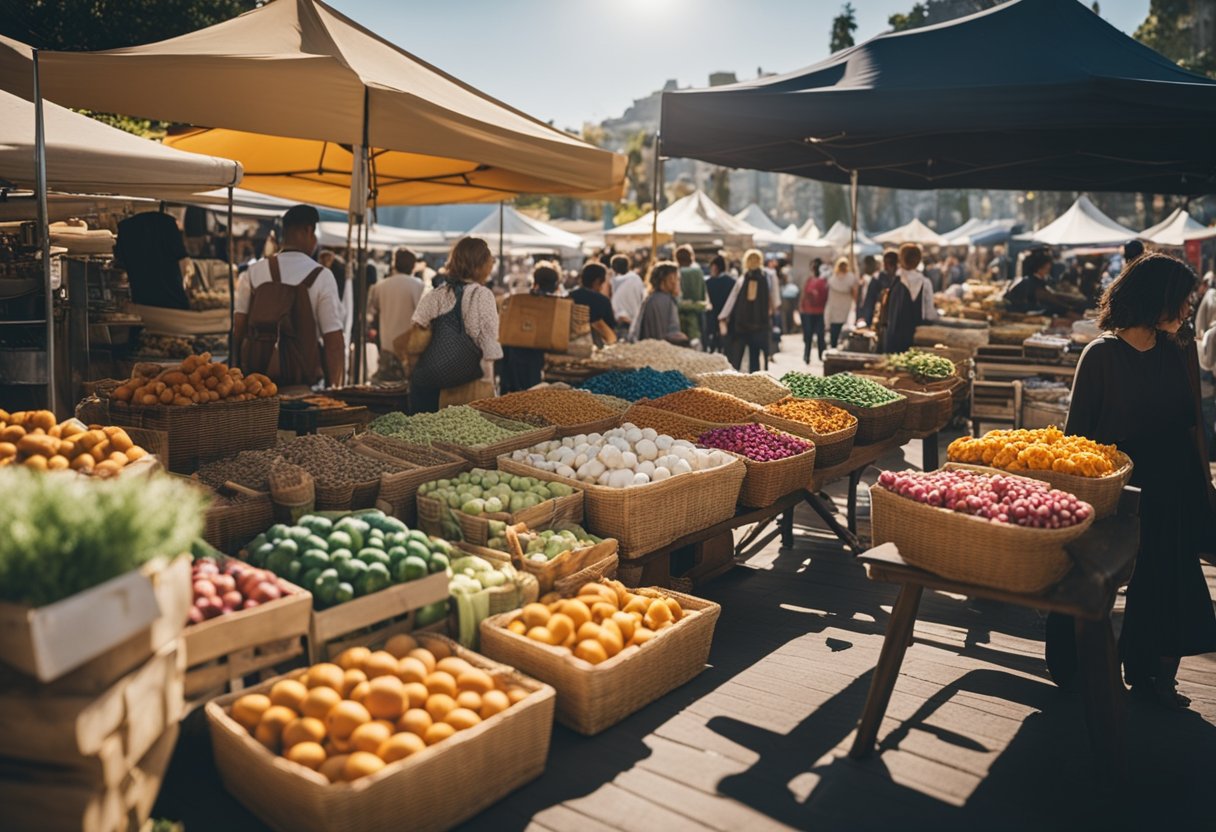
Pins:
<point x="275" y="274"/>
<point x="312" y="277"/>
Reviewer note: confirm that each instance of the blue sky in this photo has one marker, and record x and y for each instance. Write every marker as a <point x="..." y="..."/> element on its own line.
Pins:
<point x="572" y="61"/>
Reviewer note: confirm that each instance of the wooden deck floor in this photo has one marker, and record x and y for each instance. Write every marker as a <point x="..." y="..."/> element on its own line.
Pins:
<point x="976" y="737"/>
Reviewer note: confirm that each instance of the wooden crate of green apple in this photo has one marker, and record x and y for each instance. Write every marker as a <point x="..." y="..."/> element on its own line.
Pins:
<point x="478" y="505"/>
<point x="364" y="569"/>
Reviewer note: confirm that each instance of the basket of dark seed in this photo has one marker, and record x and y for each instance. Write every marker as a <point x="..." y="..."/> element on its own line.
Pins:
<point x="343" y="479"/>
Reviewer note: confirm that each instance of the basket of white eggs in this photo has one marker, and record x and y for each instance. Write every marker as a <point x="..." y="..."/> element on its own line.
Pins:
<point x="642" y="487"/>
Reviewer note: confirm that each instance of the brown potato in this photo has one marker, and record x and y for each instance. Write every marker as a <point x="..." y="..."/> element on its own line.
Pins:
<point x="7" y="449"/>
<point x="123" y="392"/>
<point x="83" y="462"/>
<point x="12" y="433"/>
<point x="57" y="463"/>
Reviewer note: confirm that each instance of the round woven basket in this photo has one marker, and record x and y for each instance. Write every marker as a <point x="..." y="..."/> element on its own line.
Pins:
<point x="969" y="549"/>
<point x="874" y="424"/>
<point x="1102" y="493"/>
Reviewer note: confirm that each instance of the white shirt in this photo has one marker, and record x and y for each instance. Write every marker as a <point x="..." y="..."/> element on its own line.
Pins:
<point x="628" y="292"/>
<point x="1205" y="316"/>
<point x="920" y="287"/>
<point x="394" y="300"/>
<point x="294" y="266"/>
<point x="840" y="297"/>
<point x="774" y="296"/>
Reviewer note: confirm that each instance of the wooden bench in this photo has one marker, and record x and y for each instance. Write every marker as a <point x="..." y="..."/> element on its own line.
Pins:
<point x="1104" y="558"/>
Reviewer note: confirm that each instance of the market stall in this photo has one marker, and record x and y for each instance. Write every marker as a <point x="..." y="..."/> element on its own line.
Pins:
<point x="695" y="219"/>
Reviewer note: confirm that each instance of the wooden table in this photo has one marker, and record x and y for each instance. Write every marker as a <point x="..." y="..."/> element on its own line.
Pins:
<point x="656" y="565"/>
<point x="1104" y="557"/>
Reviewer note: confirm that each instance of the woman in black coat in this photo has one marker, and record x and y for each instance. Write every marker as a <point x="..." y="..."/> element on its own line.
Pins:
<point x="1137" y="387"/>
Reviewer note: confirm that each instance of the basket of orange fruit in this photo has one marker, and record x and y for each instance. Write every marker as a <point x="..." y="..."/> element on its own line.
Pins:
<point x="377" y="738"/>
<point x="608" y="650"/>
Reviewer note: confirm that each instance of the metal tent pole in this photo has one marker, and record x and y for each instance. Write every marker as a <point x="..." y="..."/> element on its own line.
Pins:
<point x="233" y="358"/>
<point x="502" y="265"/>
<point x="44" y="235"/>
<point x="853" y="231"/>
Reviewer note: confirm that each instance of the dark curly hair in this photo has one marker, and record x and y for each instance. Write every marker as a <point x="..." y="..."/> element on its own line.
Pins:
<point x="1152" y="288"/>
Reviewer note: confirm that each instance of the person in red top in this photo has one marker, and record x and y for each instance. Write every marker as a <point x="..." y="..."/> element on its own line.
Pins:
<point x="814" y="299"/>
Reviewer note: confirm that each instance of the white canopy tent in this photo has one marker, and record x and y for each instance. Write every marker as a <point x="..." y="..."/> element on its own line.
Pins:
<point x="334" y="235"/>
<point x="523" y="235"/>
<point x="694" y="219"/>
<point x="978" y="232"/>
<point x="754" y="216"/>
<point x="1176" y="229"/>
<point x="837" y="238"/>
<point x="809" y="230"/>
<point x="912" y="232"/>
<point x="1081" y="225"/>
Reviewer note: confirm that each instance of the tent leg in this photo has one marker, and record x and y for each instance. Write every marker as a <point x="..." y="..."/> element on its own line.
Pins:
<point x="502" y="265"/>
<point x="44" y="235"/>
<point x="853" y="230"/>
<point x="232" y="356"/>
<point x="657" y="192"/>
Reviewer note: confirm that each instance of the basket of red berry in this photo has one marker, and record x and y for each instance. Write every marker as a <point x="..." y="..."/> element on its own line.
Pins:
<point x="981" y="527"/>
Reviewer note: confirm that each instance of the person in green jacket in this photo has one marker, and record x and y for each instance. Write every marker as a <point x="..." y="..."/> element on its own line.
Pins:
<point x="692" y="293"/>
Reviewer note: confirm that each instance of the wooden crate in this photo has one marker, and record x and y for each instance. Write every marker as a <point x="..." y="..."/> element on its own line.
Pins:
<point x="42" y="798"/>
<point x="220" y="652"/>
<point x="87" y="641"/>
<point x="372" y="617"/>
<point x="493" y="759"/>
<point x="95" y="739"/>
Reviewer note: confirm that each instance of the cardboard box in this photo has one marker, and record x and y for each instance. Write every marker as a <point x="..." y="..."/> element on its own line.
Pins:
<point x="536" y="322"/>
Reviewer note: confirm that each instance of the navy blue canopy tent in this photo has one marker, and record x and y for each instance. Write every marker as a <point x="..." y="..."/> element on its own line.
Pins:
<point x="1030" y="94"/>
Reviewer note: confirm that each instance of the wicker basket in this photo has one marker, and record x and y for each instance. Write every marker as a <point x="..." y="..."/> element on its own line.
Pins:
<point x="565" y="564"/>
<point x="553" y="513"/>
<point x="669" y="422"/>
<point x="229" y="525"/>
<point x="591" y="698"/>
<point x="927" y="411"/>
<point x="419" y="464"/>
<point x="1102" y="493"/>
<point x="562" y="431"/>
<point x="643" y="518"/>
<point x="874" y="424"/>
<point x="483" y="456"/>
<point x="830" y="448"/>
<point x="767" y="482"/>
<point x="600" y="570"/>
<point x="969" y="549"/>
<point x="720" y="381"/>
<point x="494" y="757"/>
<point x="206" y="432"/>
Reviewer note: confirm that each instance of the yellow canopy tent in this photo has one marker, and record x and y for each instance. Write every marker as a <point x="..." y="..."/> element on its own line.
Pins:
<point x="318" y="87"/>
<point x="344" y="116"/>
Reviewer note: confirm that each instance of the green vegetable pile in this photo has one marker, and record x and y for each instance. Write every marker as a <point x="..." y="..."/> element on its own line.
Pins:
<point x="472" y="576"/>
<point x="356" y="555"/>
<point x="488" y="492"/>
<point x="63" y="534"/>
<point x="541" y="547"/>
<point x="843" y="386"/>
<point x="457" y="425"/>
<point x="923" y="366"/>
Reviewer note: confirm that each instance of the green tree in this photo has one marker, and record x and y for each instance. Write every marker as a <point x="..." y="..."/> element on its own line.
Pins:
<point x="835" y="205"/>
<point x="89" y="25"/>
<point x="1169" y="30"/>
<point x="843" y="27"/>
<point x="916" y="17"/>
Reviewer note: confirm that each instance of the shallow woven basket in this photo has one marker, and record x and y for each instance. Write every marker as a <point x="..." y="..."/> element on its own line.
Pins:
<point x="591" y="698"/>
<point x="643" y="518"/>
<point x="874" y="424"/>
<point x="419" y="464"/>
<point x="767" y="482"/>
<point x="228" y="526"/>
<point x="594" y="426"/>
<point x="669" y="422"/>
<point x="1102" y="493"/>
<point x="570" y="562"/>
<point x="494" y="757"/>
<point x="602" y="569"/>
<point x="205" y="432"/>
<point x="927" y="411"/>
<point x="483" y="456"/>
<point x="975" y="551"/>
<point x="291" y="485"/>
<point x="553" y="513"/>
<point x="830" y="448"/>
<point x="776" y="392"/>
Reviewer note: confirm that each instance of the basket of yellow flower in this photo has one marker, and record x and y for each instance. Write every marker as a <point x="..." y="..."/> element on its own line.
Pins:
<point x="1095" y="473"/>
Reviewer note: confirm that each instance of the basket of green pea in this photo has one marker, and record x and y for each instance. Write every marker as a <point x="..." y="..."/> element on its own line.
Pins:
<point x="879" y="410"/>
